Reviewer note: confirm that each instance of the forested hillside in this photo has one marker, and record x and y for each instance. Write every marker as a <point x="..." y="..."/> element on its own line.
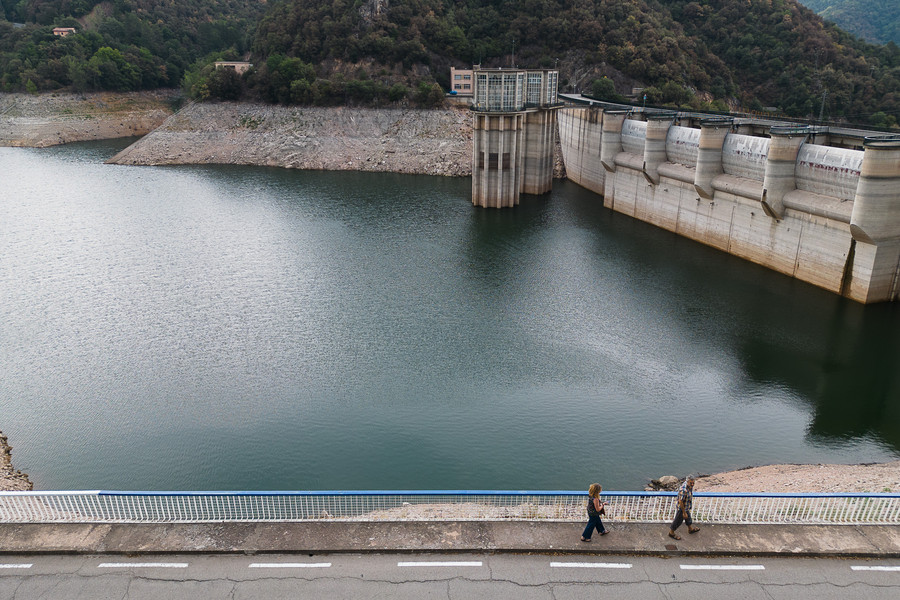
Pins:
<point x="876" y="21"/>
<point x="702" y="54"/>
<point x="784" y="57"/>
<point x="118" y="45"/>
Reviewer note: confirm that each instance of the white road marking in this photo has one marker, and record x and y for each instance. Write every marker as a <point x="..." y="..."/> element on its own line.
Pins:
<point x="17" y="566"/>
<point x="142" y="565"/>
<point x="724" y="567"/>
<point x="591" y="565"/>
<point x="874" y="568"/>
<point x="289" y="565"/>
<point x="460" y="563"/>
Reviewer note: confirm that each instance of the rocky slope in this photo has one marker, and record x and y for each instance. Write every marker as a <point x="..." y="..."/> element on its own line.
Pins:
<point x="822" y="479"/>
<point x="49" y="119"/>
<point x="10" y="478"/>
<point x="397" y="140"/>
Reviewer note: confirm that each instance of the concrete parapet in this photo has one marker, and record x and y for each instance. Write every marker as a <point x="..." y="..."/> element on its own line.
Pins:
<point x="780" y="167"/>
<point x="655" y="144"/>
<point x="709" y="154"/>
<point x="828" y="171"/>
<point x="681" y="146"/>
<point x="452" y="536"/>
<point x="876" y="208"/>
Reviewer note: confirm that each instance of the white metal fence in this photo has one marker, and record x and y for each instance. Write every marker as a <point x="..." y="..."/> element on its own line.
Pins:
<point x="635" y="507"/>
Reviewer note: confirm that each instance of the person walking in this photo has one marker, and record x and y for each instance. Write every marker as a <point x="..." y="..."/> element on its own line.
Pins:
<point x="595" y="508"/>
<point x="683" y="509"/>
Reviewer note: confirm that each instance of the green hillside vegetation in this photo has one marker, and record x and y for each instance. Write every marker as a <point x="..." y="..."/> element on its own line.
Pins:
<point x="700" y="54"/>
<point x="786" y="58"/>
<point x="120" y="45"/>
<point x="876" y="21"/>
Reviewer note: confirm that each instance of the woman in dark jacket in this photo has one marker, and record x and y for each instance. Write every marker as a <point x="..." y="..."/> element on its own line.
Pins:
<point x="594" y="510"/>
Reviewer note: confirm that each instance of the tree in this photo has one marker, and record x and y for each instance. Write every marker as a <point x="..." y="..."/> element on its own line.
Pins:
<point x="113" y="72"/>
<point x="605" y="89"/>
<point x="429" y="94"/>
<point x="225" y="84"/>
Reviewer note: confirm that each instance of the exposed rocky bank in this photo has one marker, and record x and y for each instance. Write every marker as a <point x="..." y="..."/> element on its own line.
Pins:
<point x="38" y="121"/>
<point x="873" y="478"/>
<point x="396" y="140"/>
<point x="10" y="478"/>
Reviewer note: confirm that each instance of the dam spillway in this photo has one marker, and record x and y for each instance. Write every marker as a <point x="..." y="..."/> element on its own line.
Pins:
<point x="817" y="205"/>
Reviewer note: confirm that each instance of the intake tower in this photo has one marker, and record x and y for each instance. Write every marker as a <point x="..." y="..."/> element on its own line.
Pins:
<point x="514" y="134"/>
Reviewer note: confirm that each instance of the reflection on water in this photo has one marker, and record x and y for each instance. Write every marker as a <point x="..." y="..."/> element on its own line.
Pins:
<point x="258" y="328"/>
<point x="848" y="370"/>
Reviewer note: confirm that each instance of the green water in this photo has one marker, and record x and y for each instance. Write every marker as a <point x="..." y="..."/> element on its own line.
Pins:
<point x="254" y="328"/>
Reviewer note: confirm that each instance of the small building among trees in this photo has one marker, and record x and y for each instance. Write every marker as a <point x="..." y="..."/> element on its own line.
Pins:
<point x="238" y="66"/>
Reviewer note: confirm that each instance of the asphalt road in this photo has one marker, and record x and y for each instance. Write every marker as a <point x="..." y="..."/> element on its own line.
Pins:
<point x="401" y="576"/>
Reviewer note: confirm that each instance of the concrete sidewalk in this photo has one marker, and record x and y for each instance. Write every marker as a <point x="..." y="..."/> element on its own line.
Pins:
<point x="478" y="536"/>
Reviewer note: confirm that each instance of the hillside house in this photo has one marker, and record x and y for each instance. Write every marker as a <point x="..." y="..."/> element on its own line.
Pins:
<point x="240" y="66"/>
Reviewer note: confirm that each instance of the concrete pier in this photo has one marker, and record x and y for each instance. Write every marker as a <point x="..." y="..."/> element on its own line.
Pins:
<point x="820" y="206"/>
<point x="655" y="146"/>
<point x="780" y="167"/>
<point x="497" y="163"/>
<point x="709" y="155"/>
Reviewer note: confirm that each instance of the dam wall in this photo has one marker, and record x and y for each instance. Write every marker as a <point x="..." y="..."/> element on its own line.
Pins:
<point x="826" y="211"/>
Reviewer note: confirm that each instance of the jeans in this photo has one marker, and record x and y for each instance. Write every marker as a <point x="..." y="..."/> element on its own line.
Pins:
<point x="593" y="522"/>
<point x="679" y="518"/>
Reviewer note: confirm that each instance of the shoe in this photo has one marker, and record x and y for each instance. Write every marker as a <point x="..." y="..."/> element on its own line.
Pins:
<point x="674" y="535"/>
<point x="585" y="539"/>
<point x="693" y="529"/>
<point x="604" y="532"/>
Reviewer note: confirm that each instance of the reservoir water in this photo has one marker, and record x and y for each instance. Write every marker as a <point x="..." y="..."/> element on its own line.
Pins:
<point x="255" y="328"/>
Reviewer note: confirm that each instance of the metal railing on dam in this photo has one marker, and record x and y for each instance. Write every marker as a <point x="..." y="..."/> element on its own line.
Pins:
<point x="454" y="505"/>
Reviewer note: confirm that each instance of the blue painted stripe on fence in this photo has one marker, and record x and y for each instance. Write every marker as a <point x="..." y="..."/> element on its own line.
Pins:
<point x="477" y="493"/>
<point x="437" y="493"/>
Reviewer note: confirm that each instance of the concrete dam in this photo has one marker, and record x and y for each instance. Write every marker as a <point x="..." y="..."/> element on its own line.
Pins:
<point x="818" y="204"/>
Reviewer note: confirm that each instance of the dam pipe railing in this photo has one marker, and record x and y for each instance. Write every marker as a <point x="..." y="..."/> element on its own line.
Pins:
<point x="449" y="505"/>
<point x="823" y="125"/>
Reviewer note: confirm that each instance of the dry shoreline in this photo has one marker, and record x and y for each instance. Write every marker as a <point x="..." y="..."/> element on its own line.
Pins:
<point x="873" y="478"/>
<point x="340" y="138"/>
<point x="11" y="479"/>
<point x="39" y="121"/>
<point x="395" y="139"/>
